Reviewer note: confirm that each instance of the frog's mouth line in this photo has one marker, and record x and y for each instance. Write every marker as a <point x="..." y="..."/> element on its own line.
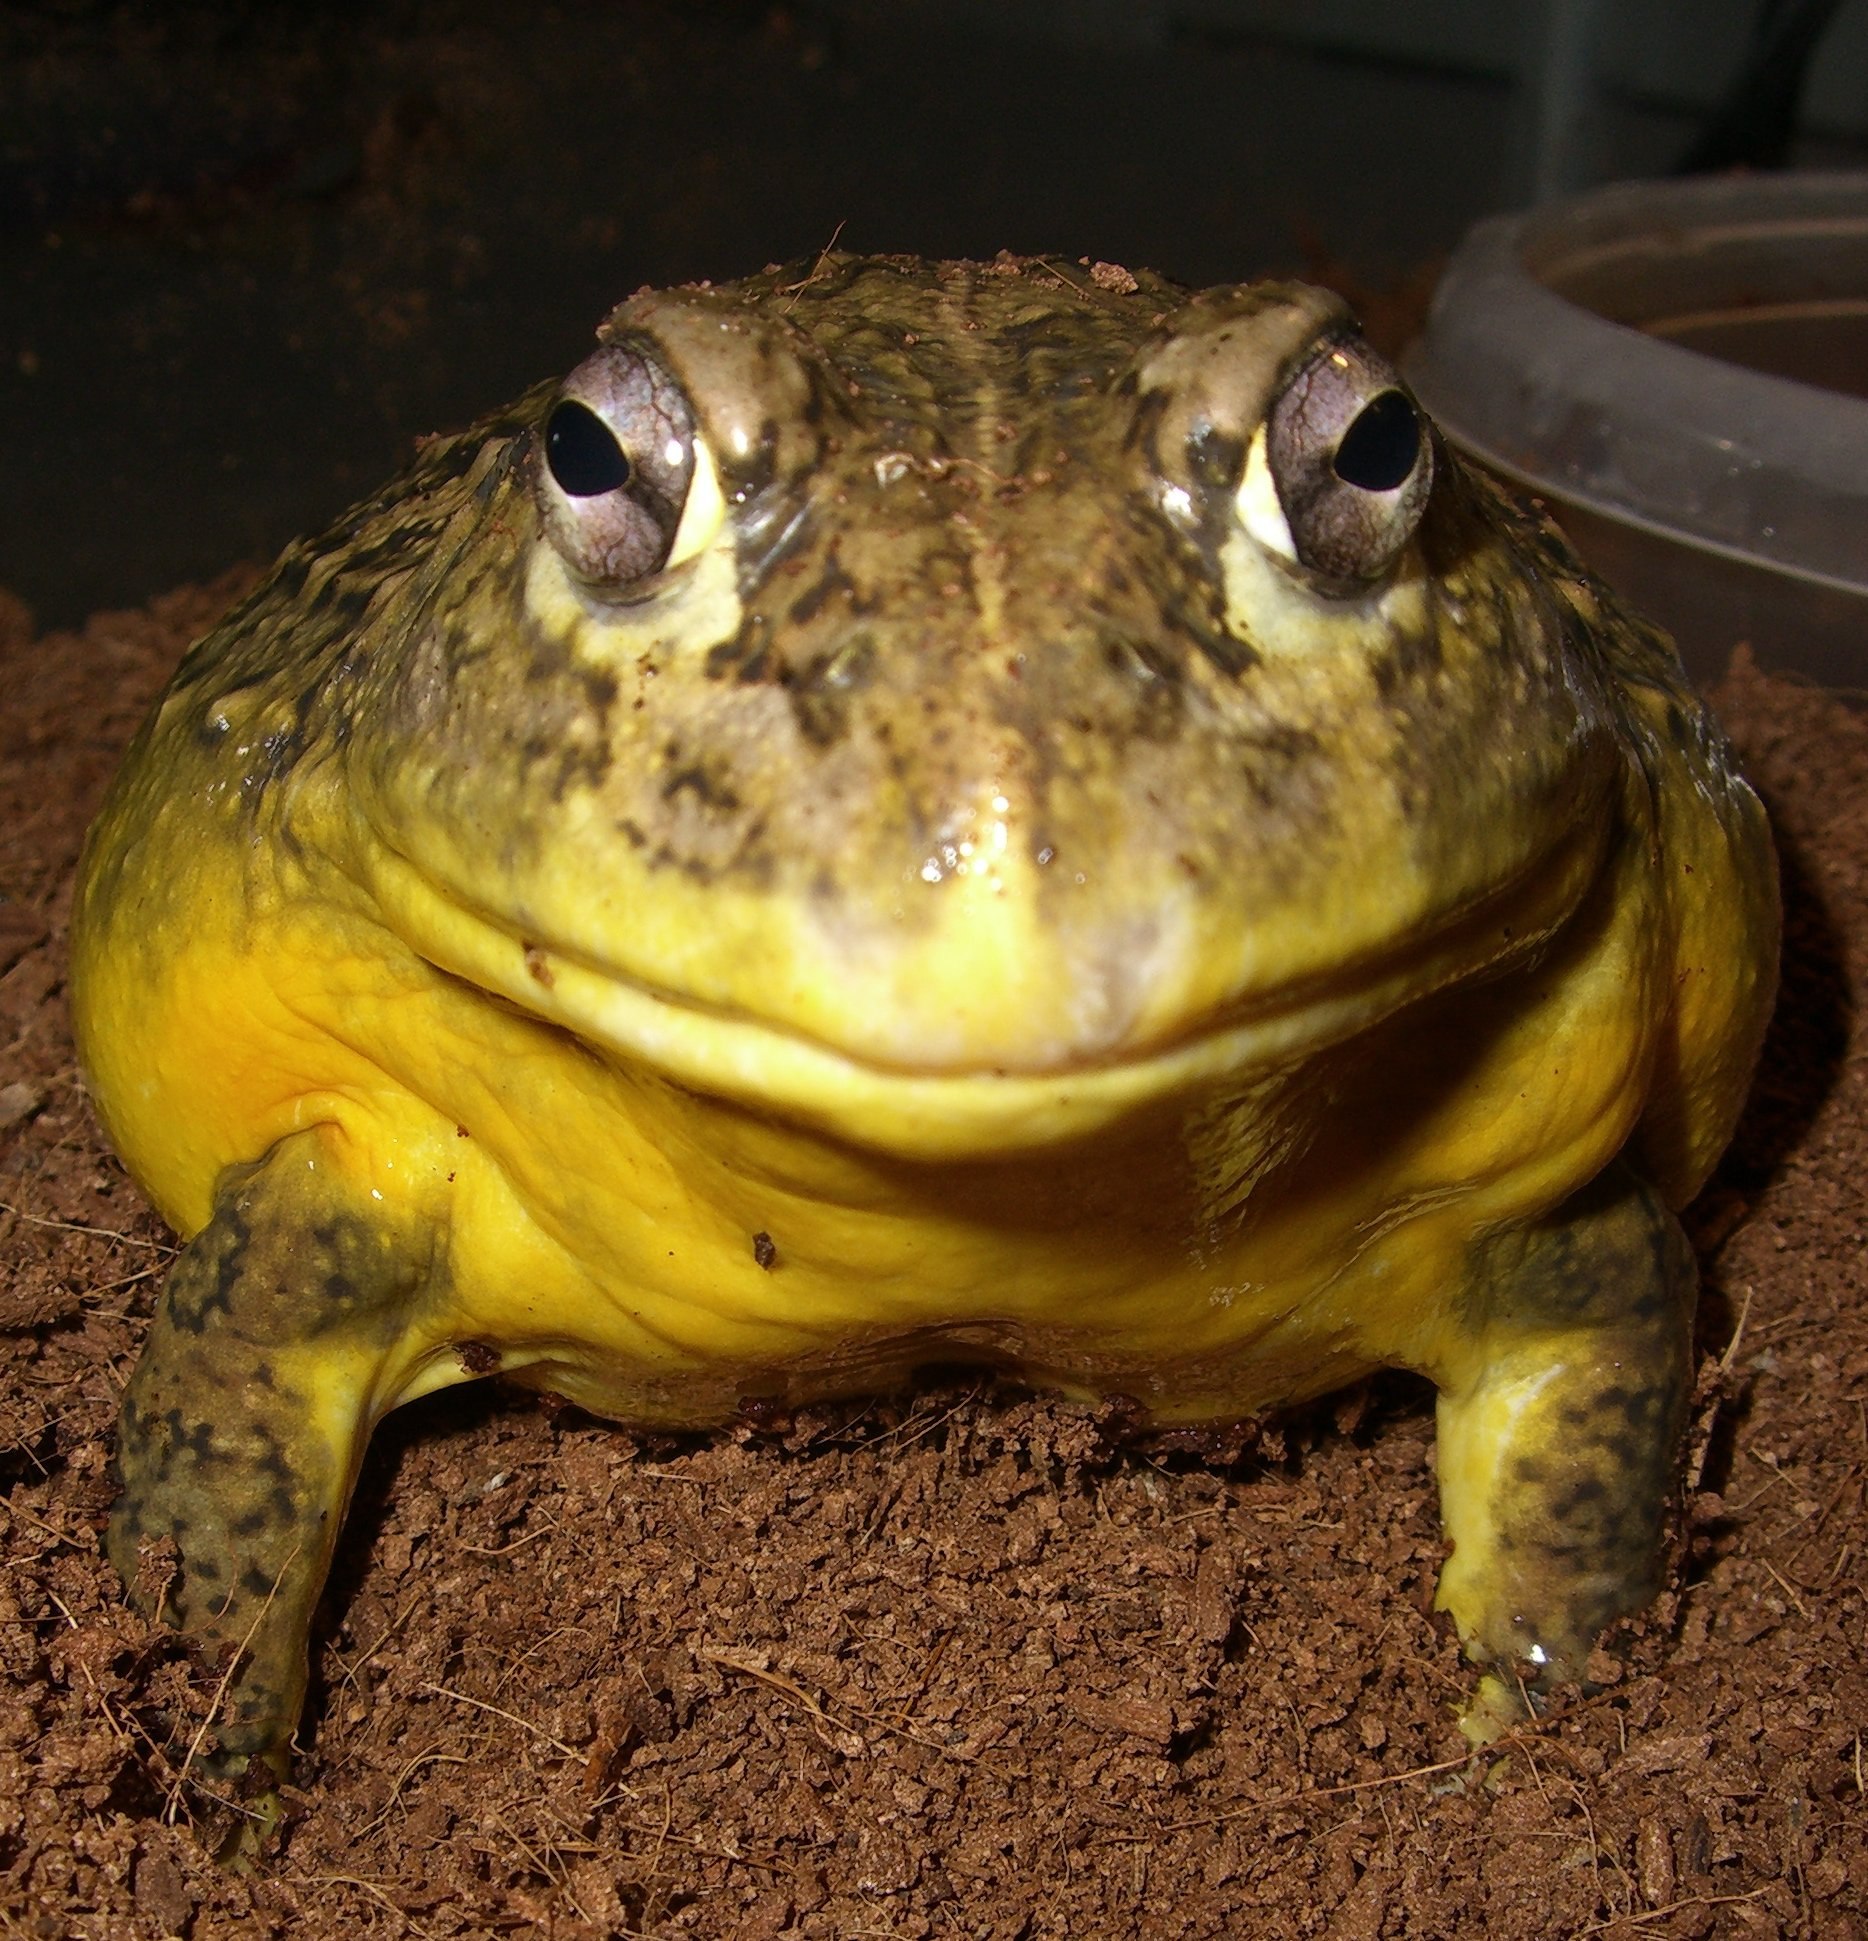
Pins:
<point x="970" y="1113"/>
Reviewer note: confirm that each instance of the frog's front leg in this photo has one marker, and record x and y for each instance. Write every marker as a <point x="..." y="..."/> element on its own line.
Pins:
<point x="245" y="1421"/>
<point x="1560" y="1415"/>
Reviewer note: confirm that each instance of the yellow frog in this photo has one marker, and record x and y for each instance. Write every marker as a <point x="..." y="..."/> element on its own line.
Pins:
<point x="914" y="812"/>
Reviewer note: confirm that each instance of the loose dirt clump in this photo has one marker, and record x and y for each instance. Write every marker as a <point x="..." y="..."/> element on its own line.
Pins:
<point x="958" y="1664"/>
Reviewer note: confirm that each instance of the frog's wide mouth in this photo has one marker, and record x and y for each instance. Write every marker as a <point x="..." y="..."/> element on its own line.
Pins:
<point x="967" y="1111"/>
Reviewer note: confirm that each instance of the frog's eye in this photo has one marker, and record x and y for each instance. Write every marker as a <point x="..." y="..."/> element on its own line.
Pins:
<point x="1337" y="476"/>
<point x="627" y="488"/>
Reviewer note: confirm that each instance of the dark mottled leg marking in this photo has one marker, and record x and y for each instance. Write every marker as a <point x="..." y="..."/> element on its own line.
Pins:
<point x="1560" y="1427"/>
<point x="244" y="1421"/>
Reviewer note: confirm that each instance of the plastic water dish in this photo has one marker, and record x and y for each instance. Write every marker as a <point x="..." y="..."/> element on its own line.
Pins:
<point x="1679" y="370"/>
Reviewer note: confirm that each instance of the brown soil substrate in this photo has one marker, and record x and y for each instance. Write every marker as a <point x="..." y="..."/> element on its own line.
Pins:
<point x="951" y="1665"/>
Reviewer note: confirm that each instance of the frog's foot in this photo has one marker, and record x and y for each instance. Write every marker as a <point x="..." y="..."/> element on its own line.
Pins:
<point x="1498" y="1706"/>
<point x="1559" y="1433"/>
<point x="241" y="1849"/>
<point x="240" y="1437"/>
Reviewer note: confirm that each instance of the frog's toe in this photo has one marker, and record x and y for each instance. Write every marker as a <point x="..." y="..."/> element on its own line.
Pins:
<point x="243" y="1846"/>
<point x="1498" y="1706"/>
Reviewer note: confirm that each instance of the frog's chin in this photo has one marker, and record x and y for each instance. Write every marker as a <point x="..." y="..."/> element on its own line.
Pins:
<point x="966" y="1111"/>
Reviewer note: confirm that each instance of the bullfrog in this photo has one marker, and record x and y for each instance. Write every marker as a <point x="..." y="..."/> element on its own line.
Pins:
<point x="913" y="813"/>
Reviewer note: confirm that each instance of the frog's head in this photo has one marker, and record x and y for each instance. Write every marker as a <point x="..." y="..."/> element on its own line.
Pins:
<point x="901" y="695"/>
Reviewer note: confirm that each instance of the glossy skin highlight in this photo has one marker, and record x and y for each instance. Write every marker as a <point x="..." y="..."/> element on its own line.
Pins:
<point x="1078" y="935"/>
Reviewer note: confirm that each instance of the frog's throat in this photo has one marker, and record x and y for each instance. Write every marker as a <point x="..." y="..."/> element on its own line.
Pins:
<point x="962" y="1113"/>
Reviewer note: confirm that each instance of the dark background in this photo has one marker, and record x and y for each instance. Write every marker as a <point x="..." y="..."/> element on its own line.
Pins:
<point x="248" y="252"/>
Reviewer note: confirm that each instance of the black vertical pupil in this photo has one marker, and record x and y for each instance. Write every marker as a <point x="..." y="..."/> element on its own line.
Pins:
<point x="1380" y="448"/>
<point x="582" y="451"/>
